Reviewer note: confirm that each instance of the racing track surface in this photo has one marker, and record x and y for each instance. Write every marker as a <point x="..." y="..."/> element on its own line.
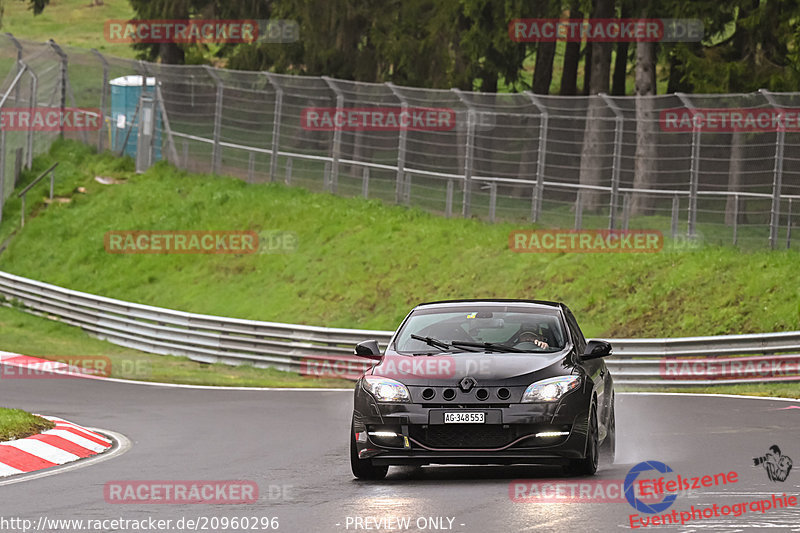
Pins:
<point x="299" y="438"/>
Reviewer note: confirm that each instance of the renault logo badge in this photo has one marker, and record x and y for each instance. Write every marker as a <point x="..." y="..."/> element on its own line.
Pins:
<point x="466" y="384"/>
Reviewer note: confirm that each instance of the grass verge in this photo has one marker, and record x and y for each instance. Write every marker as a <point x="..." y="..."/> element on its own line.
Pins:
<point x="17" y="424"/>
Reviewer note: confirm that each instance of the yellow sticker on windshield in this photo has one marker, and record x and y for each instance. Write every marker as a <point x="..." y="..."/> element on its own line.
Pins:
<point x="471" y="315"/>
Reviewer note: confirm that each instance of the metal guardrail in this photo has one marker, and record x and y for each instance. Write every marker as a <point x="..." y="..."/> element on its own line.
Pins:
<point x="320" y="350"/>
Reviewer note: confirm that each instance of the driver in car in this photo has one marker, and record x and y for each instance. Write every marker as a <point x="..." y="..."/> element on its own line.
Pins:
<point x="531" y="337"/>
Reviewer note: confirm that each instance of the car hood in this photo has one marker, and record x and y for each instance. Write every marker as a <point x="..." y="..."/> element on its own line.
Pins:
<point x="485" y="368"/>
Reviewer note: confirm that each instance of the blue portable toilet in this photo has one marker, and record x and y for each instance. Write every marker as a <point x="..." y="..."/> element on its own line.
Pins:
<point x="125" y="92"/>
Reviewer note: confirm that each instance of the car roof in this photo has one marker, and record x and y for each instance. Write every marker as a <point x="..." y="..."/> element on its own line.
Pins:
<point x="495" y="301"/>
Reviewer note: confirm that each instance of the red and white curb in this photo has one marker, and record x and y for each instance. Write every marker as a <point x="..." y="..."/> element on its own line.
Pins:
<point x="65" y="443"/>
<point x="37" y="365"/>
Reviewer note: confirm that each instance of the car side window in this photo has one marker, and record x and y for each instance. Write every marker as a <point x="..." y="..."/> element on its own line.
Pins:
<point x="577" y="334"/>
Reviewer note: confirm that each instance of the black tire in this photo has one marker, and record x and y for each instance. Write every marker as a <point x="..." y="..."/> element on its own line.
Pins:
<point x="608" y="450"/>
<point x="588" y="465"/>
<point x="363" y="468"/>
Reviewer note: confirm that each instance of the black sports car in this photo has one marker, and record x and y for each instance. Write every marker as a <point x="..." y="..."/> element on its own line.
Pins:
<point x="484" y="382"/>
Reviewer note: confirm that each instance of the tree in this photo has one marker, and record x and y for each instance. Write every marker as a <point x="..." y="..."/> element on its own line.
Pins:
<point x="594" y="138"/>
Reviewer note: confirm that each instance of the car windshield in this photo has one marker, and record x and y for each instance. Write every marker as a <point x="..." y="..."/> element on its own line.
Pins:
<point x="463" y="329"/>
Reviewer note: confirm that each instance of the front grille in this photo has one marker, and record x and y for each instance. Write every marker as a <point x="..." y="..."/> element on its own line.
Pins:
<point x="469" y="436"/>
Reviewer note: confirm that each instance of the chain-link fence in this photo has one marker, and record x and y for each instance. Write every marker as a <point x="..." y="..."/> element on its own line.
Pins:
<point x="567" y="162"/>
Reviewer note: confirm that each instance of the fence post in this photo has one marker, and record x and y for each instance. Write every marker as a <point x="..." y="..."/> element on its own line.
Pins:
<point x="3" y="172"/>
<point x="251" y="166"/>
<point x="626" y="210"/>
<point x="407" y="188"/>
<point x="18" y="157"/>
<point x="448" y="206"/>
<point x="185" y="154"/>
<point x="216" y="154"/>
<point x="401" y="146"/>
<point x="735" y="218"/>
<point x="615" y="167"/>
<point x="789" y="226"/>
<point x="62" y="81"/>
<point x="32" y="103"/>
<point x="469" y="154"/>
<point x="103" y="100"/>
<point x="579" y="209"/>
<point x="694" y="173"/>
<point x="336" y="149"/>
<point x="777" y="172"/>
<point x="676" y="206"/>
<point x="18" y="46"/>
<point x="492" y="200"/>
<point x="326" y="176"/>
<point x="288" y="177"/>
<point x="538" y="191"/>
<point x="276" y="126"/>
<point x="365" y="182"/>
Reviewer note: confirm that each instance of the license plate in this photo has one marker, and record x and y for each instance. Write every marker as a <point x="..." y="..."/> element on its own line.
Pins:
<point x="464" y="418"/>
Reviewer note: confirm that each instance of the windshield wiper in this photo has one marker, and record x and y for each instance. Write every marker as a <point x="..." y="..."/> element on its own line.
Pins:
<point x="436" y="343"/>
<point x="490" y="346"/>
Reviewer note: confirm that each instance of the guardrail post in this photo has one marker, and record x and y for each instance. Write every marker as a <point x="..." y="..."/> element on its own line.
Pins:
<point x="336" y="149"/>
<point x="615" y="168"/>
<point x="694" y="172"/>
<point x="216" y="154"/>
<point x="777" y="172"/>
<point x="469" y="154"/>
<point x="541" y="154"/>
<point x="62" y="80"/>
<point x="365" y="182"/>
<point x="276" y="125"/>
<point x="401" y="146"/>
<point x="103" y="97"/>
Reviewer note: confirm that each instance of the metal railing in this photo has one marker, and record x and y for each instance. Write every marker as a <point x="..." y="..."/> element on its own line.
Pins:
<point x="328" y="351"/>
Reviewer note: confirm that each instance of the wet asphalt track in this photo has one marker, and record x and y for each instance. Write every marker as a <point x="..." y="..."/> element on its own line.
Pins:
<point x="298" y="440"/>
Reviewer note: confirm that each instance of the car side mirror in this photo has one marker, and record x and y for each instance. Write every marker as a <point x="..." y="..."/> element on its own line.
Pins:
<point x="596" y="349"/>
<point x="368" y="349"/>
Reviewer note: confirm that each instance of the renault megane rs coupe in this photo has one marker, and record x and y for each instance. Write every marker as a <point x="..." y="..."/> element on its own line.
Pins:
<point x="484" y="382"/>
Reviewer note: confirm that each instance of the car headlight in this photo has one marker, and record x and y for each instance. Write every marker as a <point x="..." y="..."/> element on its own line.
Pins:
<point x="551" y="389"/>
<point x="386" y="390"/>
